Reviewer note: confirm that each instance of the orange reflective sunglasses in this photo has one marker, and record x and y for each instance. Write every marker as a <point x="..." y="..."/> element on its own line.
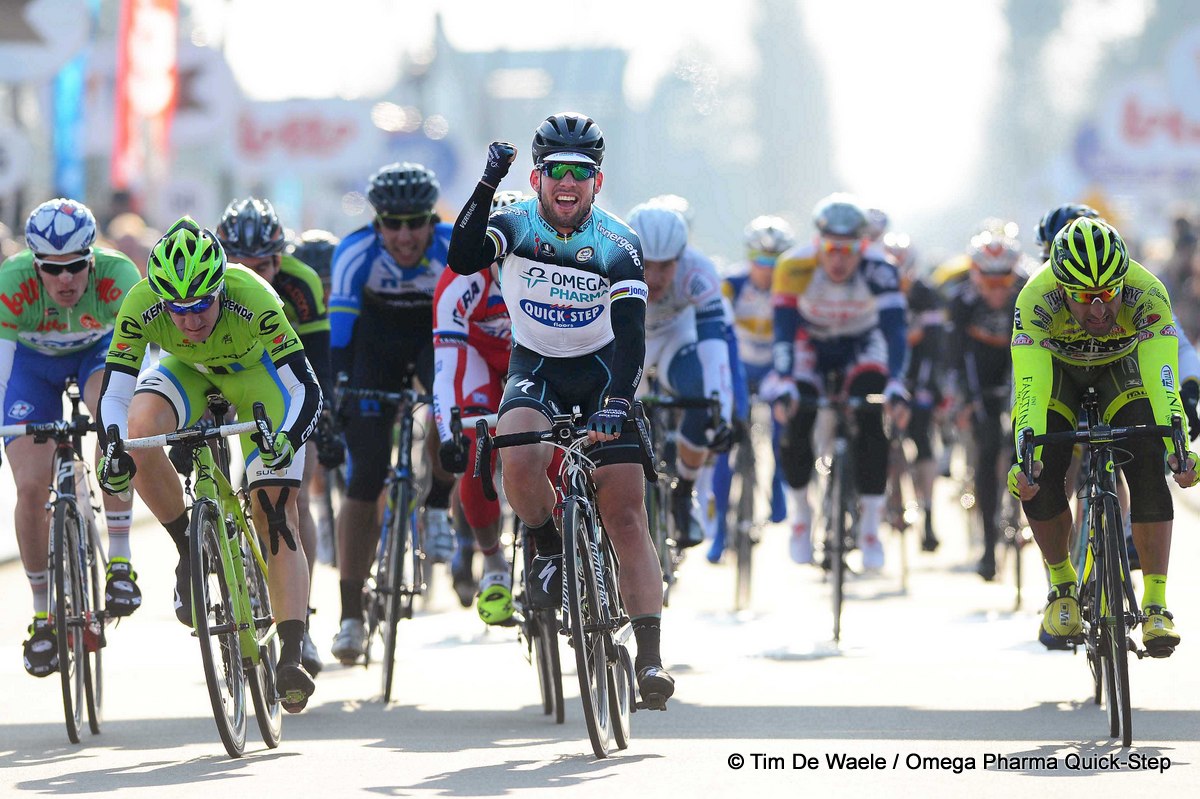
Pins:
<point x="1088" y="296"/>
<point x="841" y="247"/>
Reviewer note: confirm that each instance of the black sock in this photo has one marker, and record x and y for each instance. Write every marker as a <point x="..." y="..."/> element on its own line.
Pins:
<point x="684" y="487"/>
<point x="647" y="631"/>
<point x="351" y="599"/>
<point x="291" y="635"/>
<point x="178" y="530"/>
<point x="546" y="537"/>
<point x="439" y="495"/>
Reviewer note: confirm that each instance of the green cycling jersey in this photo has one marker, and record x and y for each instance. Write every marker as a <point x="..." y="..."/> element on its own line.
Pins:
<point x="1044" y="331"/>
<point x="29" y="315"/>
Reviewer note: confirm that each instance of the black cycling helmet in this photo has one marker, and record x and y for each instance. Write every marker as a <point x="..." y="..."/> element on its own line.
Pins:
<point x="568" y="132"/>
<point x="315" y="249"/>
<point x="250" y="228"/>
<point x="403" y="188"/>
<point x="1058" y="218"/>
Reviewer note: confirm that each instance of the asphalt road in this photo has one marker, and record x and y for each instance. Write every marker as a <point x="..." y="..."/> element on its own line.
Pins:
<point x="940" y="689"/>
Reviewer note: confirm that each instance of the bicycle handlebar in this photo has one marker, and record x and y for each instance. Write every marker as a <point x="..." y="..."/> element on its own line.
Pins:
<point x="1103" y="434"/>
<point x="42" y="431"/>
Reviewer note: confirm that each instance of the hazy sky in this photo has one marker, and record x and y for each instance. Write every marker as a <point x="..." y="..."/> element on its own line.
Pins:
<point x="910" y="82"/>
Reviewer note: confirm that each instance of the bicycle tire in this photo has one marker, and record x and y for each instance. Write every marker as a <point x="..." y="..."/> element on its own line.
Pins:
<point x="1120" y="712"/>
<point x="94" y="635"/>
<point x="657" y="503"/>
<point x="268" y="712"/>
<point x="585" y="612"/>
<point x="620" y="664"/>
<point x="69" y="611"/>
<point x="544" y="631"/>
<point x="393" y="605"/>
<point x="837" y="537"/>
<point x="743" y="526"/>
<point x="216" y="627"/>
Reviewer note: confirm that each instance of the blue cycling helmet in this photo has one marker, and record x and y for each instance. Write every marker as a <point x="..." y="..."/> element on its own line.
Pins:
<point x="60" y="227"/>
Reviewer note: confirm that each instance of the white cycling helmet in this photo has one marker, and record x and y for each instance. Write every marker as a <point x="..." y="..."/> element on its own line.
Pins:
<point x="505" y="198"/>
<point x="663" y="232"/>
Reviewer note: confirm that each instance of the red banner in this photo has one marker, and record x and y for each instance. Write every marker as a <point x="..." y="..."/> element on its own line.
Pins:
<point x="146" y="87"/>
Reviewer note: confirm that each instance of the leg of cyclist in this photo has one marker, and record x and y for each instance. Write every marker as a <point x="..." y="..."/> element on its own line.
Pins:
<point x="121" y="593"/>
<point x="722" y="473"/>
<point x="308" y="538"/>
<point x="439" y="541"/>
<point x="870" y="463"/>
<point x="1152" y="513"/>
<point x="796" y="459"/>
<point x="368" y="445"/>
<point x="920" y="431"/>
<point x="988" y="435"/>
<point x="494" y="599"/>
<point x="32" y="472"/>
<point x="532" y="497"/>
<point x="1050" y="520"/>
<point x="617" y="484"/>
<point x="685" y="380"/>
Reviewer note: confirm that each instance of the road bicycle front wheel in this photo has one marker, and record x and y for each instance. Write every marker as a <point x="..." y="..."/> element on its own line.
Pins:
<point x="836" y="540"/>
<point x="268" y="712"/>
<point x="393" y="586"/>
<point x="70" y="614"/>
<point x="217" y="628"/>
<point x="587" y="623"/>
<point x="743" y="526"/>
<point x="1089" y="588"/>
<point x="1114" y="629"/>
<point x="620" y="664"/>
<point x="543" y="629"/>
<point x="93" y="631"/>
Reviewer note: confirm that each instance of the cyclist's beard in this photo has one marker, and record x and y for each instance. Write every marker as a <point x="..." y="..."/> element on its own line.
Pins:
<point x="561" y="218"/>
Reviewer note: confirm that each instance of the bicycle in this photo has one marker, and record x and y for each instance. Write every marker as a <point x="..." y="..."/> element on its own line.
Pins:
<point x="663" y="411"/>
<point x="742" y="520"/>
<point x="897" y="511"/>
<point x="536" y="627"/>
<point x="76" y="557"/>
<point x="592" y="610"/>
<point x="1108" y="606"/>
<point x="1015" y="535"/>
<point x="839" y="506"/>
<point x="399" y="576"/>
<point x="231" y="604"/>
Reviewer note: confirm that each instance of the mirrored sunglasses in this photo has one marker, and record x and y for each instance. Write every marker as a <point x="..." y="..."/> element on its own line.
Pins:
<point x="1088" y="296"/>
<point x="196" y="306"/>
<point x="841" y="247"/>
<point x="558" y="171"/>
<point x="401" y="221"/>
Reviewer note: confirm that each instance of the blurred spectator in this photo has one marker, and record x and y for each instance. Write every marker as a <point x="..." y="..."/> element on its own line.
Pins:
<point x="130" y="234"/>
<point x="8" y="243"/>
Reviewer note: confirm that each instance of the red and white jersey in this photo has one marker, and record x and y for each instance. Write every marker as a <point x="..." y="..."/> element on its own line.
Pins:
<point x="472" y="340"/>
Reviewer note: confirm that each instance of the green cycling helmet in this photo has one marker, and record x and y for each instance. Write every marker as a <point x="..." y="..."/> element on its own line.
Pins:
<point x="1088" y="254"/>
<point x="187" y="263"/>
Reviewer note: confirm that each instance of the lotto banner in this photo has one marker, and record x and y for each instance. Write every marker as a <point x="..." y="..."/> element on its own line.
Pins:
<point x="146" y="81"/>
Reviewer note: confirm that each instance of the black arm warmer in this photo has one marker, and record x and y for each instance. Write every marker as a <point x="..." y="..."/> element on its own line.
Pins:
<point x="316" y="347"/>
<point x="470" y="251"/>
<point x="295" y="367"/>
<point x="629" y="329"/>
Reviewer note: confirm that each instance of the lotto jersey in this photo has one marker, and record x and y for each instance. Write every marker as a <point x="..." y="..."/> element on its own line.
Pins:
<point x="30" y="316"/>
<point x="558" y="288"/>
<point x="1044" y="331"/>
<point x="299" y="287"/>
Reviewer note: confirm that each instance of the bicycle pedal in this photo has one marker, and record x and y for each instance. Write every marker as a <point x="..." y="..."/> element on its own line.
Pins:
<point x="653" y="702"/>
<point x="294" y="701"/>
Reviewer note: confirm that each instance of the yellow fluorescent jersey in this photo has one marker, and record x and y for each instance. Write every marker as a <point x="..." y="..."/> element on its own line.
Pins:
<point x="1045" y="330"/>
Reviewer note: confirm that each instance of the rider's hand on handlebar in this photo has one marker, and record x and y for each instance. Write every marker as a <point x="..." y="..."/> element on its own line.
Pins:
<point x="720" y="438"/>
<point x="116" y="474"/>
<point x="606" y="423"/>
<point x="1188" y="477"/>
<point x="453" y="455"/>
<point x="1019" y="486"/>
<point x="331" y="451"/>
<point x="279" y="456"/>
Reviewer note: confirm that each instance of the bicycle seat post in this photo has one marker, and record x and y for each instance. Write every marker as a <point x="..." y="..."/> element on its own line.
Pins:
<point x="219" y="407"/>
